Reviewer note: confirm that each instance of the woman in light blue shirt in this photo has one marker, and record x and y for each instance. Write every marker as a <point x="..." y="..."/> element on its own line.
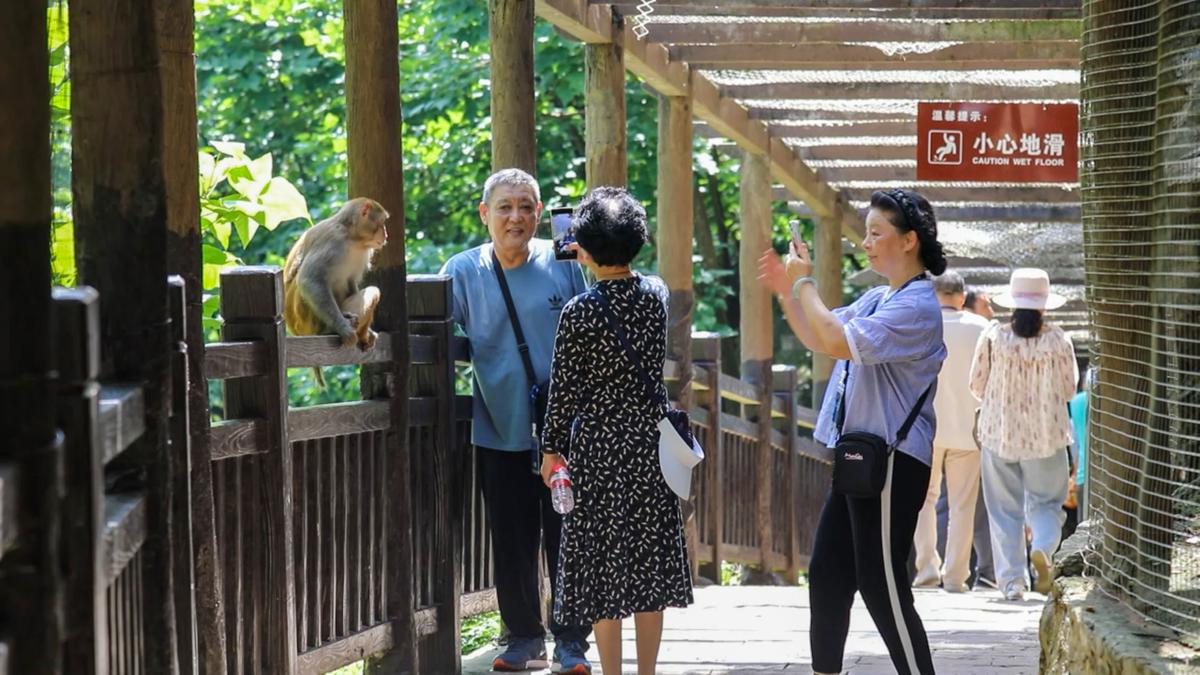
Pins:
<point x="889" y="343"/>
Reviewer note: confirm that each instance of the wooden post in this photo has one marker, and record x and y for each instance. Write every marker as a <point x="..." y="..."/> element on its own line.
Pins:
<point x="783" y="379"/>
<point x="177" y="55"/>
<point x="706" y="353"/>
<point x="373" y="126"/>
<point x="757" y="327"/>
<point x="604" y="114"/>
<point x="510" y="38"/>
<point x="77" y="319"/>
<point x="675" y="258"/>
<point x="31" y="595"/>
<point x="252" y="305"/>
<point x="120" y="216"/>
<point x="430" y="304"/>
<point x="675" y="231"/>
<point x="181" y="481"/>
<point x="827" y="260"/>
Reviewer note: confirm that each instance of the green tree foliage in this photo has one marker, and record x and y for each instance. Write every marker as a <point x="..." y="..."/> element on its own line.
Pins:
<point x="271" y="75"/>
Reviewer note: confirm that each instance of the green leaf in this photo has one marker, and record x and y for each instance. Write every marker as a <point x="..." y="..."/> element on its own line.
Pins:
<point x="211" y="255"/>
<point x="208" y="167"/>
<point x="211" y="275"/>
<point x="241" y="223"/>
<point x="282" y="201"/>
<point x="222" y="229"/>
<point x="237" y="150"/>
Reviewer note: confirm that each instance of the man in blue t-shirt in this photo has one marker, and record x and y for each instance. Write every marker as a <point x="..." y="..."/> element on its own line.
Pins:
<point x="517" y="501"/>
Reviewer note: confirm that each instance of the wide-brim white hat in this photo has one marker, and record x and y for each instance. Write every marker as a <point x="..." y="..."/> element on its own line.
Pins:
<point x="1029" y="288"/>
<point x="677" y="459"/>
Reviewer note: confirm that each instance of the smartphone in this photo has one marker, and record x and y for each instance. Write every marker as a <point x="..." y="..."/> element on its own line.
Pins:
<point x="560" y="228"/>
<point x="797" y="237"/>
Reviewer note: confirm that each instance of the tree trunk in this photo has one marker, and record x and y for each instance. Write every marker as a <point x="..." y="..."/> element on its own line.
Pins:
<point x="510" y="37"/>
<point x="31" y="594"/>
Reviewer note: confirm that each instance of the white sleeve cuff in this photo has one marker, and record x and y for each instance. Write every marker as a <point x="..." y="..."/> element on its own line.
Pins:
<point x="854" y="355"/>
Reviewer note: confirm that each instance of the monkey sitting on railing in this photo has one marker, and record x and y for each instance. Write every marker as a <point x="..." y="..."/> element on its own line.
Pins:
<point x="321" y="278"/>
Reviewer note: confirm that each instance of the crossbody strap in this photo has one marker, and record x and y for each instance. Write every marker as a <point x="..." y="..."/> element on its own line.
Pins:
<point x="840" y="417"/>
<point x="648" y="382"/>
<point x="522" y="346"/>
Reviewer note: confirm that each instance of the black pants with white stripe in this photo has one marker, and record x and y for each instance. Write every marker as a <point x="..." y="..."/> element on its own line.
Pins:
<point x="850" y="555"/>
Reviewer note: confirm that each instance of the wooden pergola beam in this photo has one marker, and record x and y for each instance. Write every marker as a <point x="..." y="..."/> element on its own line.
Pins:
<point x="827" y="152"/>
<point x="843" y="56"/>
<point x="920" y="91"/>
<point x="874" y="30"/>
<point x="828" y="115"/>
<point x="972" y="193"/>
<point x="649" y="60"/>
<point x="826" y="130"/>
<point x="985" y="212"/>
<point x="806" y="12"/>
<point x="890" y="66"/>
<point x="870" y="4"/>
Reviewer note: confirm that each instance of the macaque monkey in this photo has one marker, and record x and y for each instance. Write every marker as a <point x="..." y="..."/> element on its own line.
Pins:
<point x="321" y="294"/>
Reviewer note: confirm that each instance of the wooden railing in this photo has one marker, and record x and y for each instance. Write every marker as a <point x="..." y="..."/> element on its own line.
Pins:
<point x="110" y="582"/>
<point x="342" y="533"/>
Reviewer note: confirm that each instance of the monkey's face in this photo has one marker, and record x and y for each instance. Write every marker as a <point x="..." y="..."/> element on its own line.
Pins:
<point x="379" y="239"/>
<point x="511" y="216"/>
<point x="373" y="228"/>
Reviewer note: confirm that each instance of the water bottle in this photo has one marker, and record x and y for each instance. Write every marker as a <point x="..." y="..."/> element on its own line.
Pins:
<point x="562" y="497"/>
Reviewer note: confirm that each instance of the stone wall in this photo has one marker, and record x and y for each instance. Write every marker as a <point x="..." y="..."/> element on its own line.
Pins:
<point x="1085" y="631"/>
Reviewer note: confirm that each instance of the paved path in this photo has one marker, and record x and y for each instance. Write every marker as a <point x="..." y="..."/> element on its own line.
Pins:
<point x="765" y="629"/>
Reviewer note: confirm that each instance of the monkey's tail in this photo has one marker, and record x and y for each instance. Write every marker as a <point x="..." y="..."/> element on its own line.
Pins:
<point x="319" y="377"/>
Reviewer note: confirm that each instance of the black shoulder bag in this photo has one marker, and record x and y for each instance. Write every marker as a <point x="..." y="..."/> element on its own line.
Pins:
<point x="860" y="459"/>
<point x="538" y="391"/>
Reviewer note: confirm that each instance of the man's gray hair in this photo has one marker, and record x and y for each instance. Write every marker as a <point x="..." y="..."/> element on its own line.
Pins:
<point x="509" y="177"/>
<point x="949" y="283"/>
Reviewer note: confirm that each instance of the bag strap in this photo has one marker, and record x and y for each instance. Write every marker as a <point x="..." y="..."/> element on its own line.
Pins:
<point x="648" y="382"/>
<point x="522" y="346"/>
<point x="912" y="415"/>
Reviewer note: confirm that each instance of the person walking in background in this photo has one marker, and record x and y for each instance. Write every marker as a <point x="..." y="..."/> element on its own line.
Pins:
<point x="1025" y="372"/>
<point x="1078" y="409"/>
<point x="893" y="336"/>
<point x="954" y="451"/>
<point x="518" y="507"/>
<point x="978" y="302"/>
<point x="623" y="550"/>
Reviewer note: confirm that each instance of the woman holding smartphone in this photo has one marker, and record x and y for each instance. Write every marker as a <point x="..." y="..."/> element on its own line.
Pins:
<point x="889" y="346"/>
<point x="623" y="549"/>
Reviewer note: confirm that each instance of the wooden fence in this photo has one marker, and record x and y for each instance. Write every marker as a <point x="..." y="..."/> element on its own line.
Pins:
<point x="341" y="533"/>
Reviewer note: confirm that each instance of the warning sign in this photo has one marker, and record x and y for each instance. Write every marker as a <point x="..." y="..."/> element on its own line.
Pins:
<point x="998" y="142"/>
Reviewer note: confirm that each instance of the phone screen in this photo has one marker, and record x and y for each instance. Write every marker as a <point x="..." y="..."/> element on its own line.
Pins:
<point x="796" y="235"/>
<point x="560" y="227"/>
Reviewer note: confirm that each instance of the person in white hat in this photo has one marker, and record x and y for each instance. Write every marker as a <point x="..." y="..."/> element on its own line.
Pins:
<point x="1025" y="372"/>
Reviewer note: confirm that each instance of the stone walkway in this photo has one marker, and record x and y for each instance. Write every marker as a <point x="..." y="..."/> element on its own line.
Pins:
<point x="765" y="629"/>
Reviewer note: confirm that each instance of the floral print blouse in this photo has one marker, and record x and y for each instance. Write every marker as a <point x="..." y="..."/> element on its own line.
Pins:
<point x="1024" y="385"/>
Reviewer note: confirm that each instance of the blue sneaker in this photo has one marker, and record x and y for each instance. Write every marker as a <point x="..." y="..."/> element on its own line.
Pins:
<point x="569" y="654"/>
<point x="522" y="654"/>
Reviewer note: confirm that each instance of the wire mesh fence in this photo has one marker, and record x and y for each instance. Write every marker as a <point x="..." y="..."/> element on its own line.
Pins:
<point x="1140" y="183"/>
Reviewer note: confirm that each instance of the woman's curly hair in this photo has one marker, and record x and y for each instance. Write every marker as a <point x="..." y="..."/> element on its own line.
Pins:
<point x="611" y="226"/>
